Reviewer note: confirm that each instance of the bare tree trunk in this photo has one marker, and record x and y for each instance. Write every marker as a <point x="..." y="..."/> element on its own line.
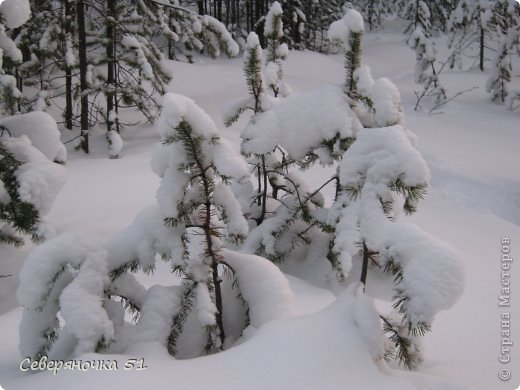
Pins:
<point x="364" y="269"/>
<point x="82" y="35"/>
<point x="109" y="94"/>
<point x="68" y="31"/>
<point x="481" y="49"/>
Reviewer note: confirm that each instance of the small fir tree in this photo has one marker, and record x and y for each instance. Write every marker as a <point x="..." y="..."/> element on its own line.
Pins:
<point x="497" y="84"/>
<point x="349" y="31"/>
<point x="373" y="192"/>
<point x="276" y="51"/>
<point x="197" y="216"/>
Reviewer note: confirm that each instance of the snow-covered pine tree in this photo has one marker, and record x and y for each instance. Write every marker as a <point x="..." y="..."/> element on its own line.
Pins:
<point x="125" y="65"/>
<point x="75" y="289"/>
<point x="294" y="22"/>
<point x="305" y="133"/>
<point x="11" y="56"/>
<point x="349" y="32"/>
<point x="381" y="175"/>
<point x="373" y="11"/>
<point x="48" y="46"/>
<point x="299" y="212"/>
<point x="29" y="179"/>
<point x="199" y="163"/>
<point x="469" y="25"/>
<point x="188" y="33"/>
<point x="425" y="54"/>
<point x="506" y="26"/>
<point x="276" y="51"/>
<point x="257" y="101"/>
<point x="497" y="84"/>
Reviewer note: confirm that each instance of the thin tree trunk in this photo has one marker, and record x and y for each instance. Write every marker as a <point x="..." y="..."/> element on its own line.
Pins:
<point x="82" y="35"/>
<point x="364" y="268"/>
<point x="219" y="10"/>
<point x="481" y="49"/>
<point x="109" y="94"/>
<point x="68" y="31"/>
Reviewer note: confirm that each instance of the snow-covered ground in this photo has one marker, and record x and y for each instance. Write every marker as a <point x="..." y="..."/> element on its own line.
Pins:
<point x="471" y="146"/>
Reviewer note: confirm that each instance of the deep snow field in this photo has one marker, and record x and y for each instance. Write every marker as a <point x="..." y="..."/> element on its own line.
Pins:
<point x="472" y="148"/>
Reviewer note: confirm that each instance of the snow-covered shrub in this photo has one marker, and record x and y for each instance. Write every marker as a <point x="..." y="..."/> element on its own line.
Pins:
<point x="221" y="292"/>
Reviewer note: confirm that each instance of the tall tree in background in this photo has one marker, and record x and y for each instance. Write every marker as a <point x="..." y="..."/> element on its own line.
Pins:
<point x="83" y="91"/>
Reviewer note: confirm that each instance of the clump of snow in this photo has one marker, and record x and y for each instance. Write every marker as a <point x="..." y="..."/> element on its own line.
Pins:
<point x="340" y="30"/>
<point x="159" y="307"/>
<point x="39" y="179"/>
<point x="300" y="123"/>
<point x="132" y="42"/>
<point x="368" y="322"/>
<point x="48" y="260"/>
<point x="263" y="286"/>
<point x="8" y="46"/>
<point x="177" y="108"/>
<point x="215" y="26"/>
<point x="146" y="236"/>
<point x="379" y="155"/>
<point x="15" y="12"/>
<point x="364" y="80"/>
<point x="433" y="278"/>
<point x="387" y="103"/>
<point x="274" y="11"/>
<point x="4" y="195"/>
<point x="41" y="129"/>
<point x="205" y="308"/>
<point x="115" y="144"/>
<point x="88" y="322"/>
<point x="224" y="198"/>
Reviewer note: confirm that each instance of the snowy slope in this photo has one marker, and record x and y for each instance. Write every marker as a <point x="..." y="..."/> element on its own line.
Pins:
<point x="473" y="202"/>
